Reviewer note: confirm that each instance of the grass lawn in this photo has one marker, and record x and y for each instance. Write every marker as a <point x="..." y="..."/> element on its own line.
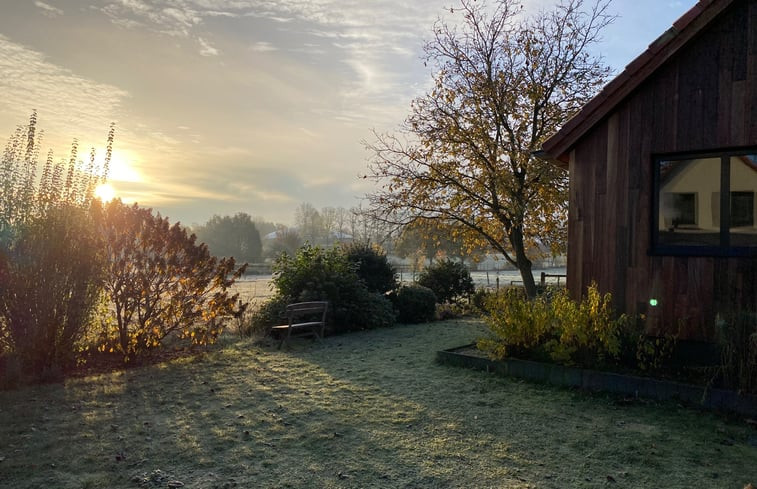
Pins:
<point x="364" y="410"/>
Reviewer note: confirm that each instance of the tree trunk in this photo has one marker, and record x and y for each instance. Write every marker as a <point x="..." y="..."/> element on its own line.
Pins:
<point x="523" y="263"/>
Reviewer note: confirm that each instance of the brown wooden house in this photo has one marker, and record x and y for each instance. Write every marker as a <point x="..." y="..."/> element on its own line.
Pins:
<point x="663" y="176"/>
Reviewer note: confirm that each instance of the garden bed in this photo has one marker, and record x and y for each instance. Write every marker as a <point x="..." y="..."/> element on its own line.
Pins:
<point x="597" y="381"/>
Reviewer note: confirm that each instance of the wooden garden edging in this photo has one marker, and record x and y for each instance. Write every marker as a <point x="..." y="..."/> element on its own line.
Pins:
<point x="596" y="381"/>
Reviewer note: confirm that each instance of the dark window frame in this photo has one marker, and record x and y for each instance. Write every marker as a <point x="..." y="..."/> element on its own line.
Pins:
<point x="724" y="248"/>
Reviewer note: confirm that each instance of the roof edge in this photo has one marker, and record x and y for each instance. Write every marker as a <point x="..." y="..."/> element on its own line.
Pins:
<point x="556" y="147"/>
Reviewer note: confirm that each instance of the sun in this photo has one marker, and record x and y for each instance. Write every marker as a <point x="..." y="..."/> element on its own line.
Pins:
<point x="122" y="167"/>
<point x="105" y="192"/>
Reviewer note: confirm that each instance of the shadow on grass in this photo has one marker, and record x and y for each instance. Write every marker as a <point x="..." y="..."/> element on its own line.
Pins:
<point x="370" y="409"/>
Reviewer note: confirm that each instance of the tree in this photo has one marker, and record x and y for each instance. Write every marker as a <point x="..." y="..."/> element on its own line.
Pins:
<point x="286" y="241"/>
<point x="364" y="227"/>
<point x="160" y="282"/>
<point x="229" y="236"/>
<point x="263" y="226"/>
<point x="465" y="153"/>
<point x="308" y="221"/>
<point x="434" y="239"/>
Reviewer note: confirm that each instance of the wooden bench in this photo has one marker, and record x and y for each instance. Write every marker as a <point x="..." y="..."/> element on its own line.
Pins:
<point x="314" y="316"/>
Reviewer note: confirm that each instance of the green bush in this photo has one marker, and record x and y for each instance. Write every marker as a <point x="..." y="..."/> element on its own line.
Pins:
<point x="318" y="274"/>
<point x="584" y="333"/>
<point x="372" y="266"/>
<point x="259" y="319"/>
<point x="448" y="279"/>
<point x="372" y="310"/>
<point x="414" y="304"/>
<point x="479" y="299"/>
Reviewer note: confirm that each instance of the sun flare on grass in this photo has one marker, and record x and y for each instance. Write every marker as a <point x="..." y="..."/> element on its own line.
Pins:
<point x="105" y="192"/>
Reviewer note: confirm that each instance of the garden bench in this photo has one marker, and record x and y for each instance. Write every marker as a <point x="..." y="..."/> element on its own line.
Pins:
<point x="303" y="319"/>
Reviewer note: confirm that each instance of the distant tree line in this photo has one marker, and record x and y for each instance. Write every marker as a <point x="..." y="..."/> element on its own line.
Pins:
<point x="232" y="236"/>
<point x="255" y="239"/>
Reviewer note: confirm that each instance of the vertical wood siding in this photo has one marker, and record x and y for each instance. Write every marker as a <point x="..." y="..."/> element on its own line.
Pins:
<point x="703" y="98"/>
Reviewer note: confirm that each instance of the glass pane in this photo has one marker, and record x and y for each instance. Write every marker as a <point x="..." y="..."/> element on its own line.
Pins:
<point x="689" y="213"/>
<point x="743" y="227"/>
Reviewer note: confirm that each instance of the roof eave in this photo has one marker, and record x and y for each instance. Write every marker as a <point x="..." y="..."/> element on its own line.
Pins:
<point x="557" y="147"/>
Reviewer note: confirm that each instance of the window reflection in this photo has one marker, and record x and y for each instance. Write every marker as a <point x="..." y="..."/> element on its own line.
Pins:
<point x="743" y="186"/>
<point x="689" y="209"/>
<point x="697" y="208"/>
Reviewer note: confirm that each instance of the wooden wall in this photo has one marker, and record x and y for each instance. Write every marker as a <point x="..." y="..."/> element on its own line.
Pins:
<point x="703" y="98"/>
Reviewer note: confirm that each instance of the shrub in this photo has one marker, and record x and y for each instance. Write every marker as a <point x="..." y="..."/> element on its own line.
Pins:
<point x="449" y="311"/>
<point x="49" y="262"/>
<point x="49" y="290"/>
<point x="517" y="324"/>
<point x="737" y="336"/>
<point x="372" y="266"/>
<point x="318" y="274"/>
<point x="261" y="318"/>
<point x="448" y="279"/>
<point x="160" y="282"/>
<point x="414" y="304"/>
<point x="588" y="330"/>
<point x="480" y="298"/>
<point x="373" y="310"/>
<point x="569" y="332"/>
<point x="313" y="273"/>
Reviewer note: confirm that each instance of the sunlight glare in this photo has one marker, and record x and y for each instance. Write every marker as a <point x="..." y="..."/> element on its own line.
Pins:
<point x="105" y="192"/>
<point x="122" y="167"/>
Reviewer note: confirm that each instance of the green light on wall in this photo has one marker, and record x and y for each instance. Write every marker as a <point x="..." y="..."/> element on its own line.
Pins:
<point x="653" y="302"/>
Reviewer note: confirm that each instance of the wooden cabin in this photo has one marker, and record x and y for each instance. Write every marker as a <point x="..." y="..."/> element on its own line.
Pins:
<point x="663" y="176"/>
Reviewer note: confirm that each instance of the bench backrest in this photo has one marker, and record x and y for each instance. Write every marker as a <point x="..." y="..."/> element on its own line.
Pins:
<point x="301" y="309"/>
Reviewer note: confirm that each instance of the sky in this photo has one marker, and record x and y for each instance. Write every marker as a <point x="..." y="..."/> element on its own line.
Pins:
<point x="226" y="106"/>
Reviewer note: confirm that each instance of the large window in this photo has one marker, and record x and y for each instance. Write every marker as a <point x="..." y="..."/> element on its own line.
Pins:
<point x="705" y="204"/>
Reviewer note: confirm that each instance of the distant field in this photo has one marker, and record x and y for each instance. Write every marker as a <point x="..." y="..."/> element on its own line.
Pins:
<point x="256" y="287"/>
<point x="366" y="410"/>
<point x="253" y="287"/>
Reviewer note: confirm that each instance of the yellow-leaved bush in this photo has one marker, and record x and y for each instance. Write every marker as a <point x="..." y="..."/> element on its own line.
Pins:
<point x="586" y="332"/>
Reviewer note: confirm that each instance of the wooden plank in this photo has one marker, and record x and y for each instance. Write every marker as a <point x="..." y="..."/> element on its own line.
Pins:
<point x="706" y="129"/>
<point x="725" y="99"/>
<point x="575" y="227"/>
<point x="750" y="109"/>
<point x="738" y="114"/>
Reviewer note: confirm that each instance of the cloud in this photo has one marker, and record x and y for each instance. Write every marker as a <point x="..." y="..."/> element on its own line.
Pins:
<point x="263" y="47"/>
<point x="47" y="9"/>
<point x="206" y="48"/>
<point x="374" y="45"/>
<point x="62" y="98"/>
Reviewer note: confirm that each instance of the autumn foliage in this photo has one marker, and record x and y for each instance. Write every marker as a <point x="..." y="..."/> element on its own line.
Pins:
<point x="74" y="270"/>
<point x="160" y="282"/>
<point x="463" y="158"/>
